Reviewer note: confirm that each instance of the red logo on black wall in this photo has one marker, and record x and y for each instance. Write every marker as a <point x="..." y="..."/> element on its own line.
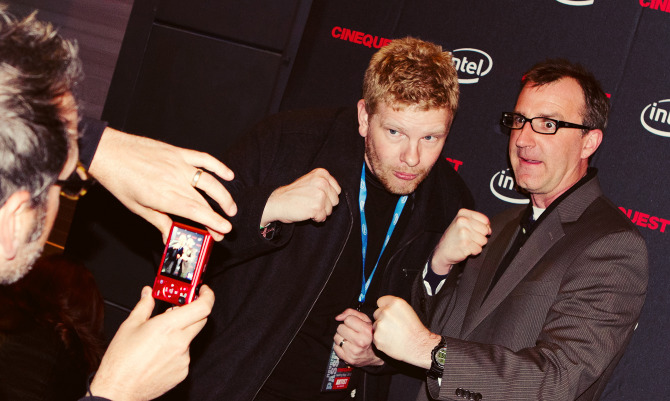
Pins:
<point x="360" y="38"/>
<point x="646" y="220"/>
<point x="660" y="5"/>
<point x="455" y="163"/>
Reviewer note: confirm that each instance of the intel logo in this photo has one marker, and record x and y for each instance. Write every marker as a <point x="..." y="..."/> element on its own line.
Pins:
<point x="502" y="187"/>
<point x="655" y="118"/>
<point x="576" y="2"/>
<point x="472" y="63"/>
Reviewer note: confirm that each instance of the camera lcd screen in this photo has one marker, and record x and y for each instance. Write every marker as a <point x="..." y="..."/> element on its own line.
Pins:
<point x="181" y="255"/>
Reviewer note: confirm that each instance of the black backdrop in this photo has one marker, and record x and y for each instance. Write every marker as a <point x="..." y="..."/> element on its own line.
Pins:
<point x="626" y="43"/>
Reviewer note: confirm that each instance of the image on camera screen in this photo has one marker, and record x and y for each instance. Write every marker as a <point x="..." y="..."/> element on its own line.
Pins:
<point x="182" y="253"/>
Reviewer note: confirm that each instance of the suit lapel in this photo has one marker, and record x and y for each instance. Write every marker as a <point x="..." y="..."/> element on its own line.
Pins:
<point x="493" y="257"/>
<point x="549" y="231"/>
<point x="543" y="238"/>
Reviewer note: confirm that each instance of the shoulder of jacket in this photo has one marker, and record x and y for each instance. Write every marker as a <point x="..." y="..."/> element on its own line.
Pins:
<point x="304" y="120"/>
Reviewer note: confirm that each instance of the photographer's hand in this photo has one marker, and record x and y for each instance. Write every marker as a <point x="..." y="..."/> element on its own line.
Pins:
<point x="153" y="178"/>
<point x="148" y="357"/>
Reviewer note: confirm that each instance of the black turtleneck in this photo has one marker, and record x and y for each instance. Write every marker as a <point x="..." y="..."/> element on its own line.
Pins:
<point x="303" y="366"/>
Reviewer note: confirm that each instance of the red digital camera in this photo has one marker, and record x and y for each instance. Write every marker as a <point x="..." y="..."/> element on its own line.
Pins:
<point x="183" y="264"/>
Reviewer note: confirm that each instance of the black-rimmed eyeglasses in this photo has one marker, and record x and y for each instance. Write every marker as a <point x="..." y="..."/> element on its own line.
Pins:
<point x="77" y="184"/>
<point x="541" y="125"/>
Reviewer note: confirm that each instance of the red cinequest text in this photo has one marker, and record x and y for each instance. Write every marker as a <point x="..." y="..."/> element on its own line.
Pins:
<point x="455" y="163"/>
<point x="661" y="5"/>
<point x="645" y="220"/>
<point x="359" y="38"/>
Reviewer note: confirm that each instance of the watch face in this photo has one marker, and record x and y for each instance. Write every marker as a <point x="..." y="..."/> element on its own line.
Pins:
<point x="441" y="356"/>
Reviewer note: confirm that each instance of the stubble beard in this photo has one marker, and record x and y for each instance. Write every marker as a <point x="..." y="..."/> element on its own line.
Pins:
<point x="384" y="173"/>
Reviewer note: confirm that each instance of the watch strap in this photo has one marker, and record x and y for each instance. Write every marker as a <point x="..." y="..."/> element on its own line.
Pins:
<point x="437" y="366"/>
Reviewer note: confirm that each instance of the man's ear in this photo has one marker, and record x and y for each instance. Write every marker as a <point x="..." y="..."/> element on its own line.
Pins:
<point x="363" y="119"/>
<point x="590" y="142"/>
<point x="10" y="222"/>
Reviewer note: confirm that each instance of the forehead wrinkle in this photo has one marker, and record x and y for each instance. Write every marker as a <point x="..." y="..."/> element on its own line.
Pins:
<point x="413" y="122"/>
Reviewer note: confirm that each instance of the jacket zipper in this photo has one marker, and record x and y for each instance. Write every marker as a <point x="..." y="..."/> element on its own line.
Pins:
<point x="351" y="223"/>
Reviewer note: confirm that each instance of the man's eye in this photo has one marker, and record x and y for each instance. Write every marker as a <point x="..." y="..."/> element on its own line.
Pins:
<point x="549" y="124"/>
<point x="393" y="132"/>
<point x="429" y="138"/>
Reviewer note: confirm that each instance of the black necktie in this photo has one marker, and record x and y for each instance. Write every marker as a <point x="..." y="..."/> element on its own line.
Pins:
<point x="526" y="227"/>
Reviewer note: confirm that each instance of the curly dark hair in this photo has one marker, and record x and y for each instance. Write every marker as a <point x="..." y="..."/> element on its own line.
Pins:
<point x="37" y="68"/>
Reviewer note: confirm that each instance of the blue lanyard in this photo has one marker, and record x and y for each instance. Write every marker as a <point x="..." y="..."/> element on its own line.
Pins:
<point x="362" y="196"/>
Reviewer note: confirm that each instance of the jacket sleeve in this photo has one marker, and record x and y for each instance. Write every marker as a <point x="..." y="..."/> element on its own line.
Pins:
<point x="251" y="158"/>
<point x="585" y="331"/>
<point x="91" y="131"/>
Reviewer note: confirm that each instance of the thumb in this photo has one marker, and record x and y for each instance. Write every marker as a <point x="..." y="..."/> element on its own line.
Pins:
<point x="385" y="300"/>
<point x="341" y="316"/>
<point x="142" y="311"/>
<point x="347" y="312"/>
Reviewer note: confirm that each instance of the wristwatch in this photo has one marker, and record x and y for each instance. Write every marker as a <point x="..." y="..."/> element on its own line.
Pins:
<point x="270" y="230"/>
<point x="437" y="357"/>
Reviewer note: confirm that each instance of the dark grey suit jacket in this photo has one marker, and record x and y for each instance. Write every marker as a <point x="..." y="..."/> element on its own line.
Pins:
<point x="557" y="322"/>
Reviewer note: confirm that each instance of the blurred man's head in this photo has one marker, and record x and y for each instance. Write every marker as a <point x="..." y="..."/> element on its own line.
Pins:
<point x="410" y="95"/>
<point x="38" y="135"/>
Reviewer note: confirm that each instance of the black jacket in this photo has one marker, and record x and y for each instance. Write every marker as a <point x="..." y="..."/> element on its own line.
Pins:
<point x="265" y="289"/>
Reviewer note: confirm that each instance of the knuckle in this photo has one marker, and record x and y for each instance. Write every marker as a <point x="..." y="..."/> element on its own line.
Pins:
<point x="321" y="197"/>
<point x="462" y="221"/>
<point x="318" y="172"/>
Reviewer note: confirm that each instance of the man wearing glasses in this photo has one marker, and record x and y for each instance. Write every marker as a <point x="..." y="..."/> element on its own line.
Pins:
<point x="550" y="293"/>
